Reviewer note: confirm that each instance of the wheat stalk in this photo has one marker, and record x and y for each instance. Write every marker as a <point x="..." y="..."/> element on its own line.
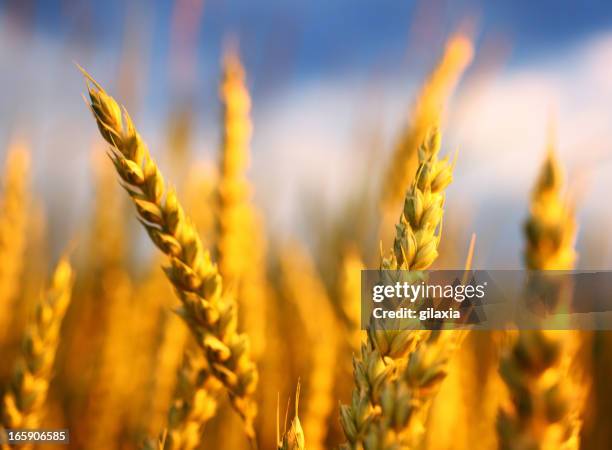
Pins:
<point x="208" y="311"/>
<point x="13" y="221"/>
<point x="400" y="371"/>
<point x="546" y="402"/>
<point x="23" y="403"/>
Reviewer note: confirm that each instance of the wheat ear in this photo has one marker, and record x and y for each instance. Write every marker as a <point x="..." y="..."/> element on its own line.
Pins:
<point x="23" y="403"/>
<point x="13" y="218"/>
<point x="239" y="248"/>
<point x="233" y="187"/>
<point x="195" y="403"/>
<point x="550" y="229"/>
<point x="427" y="111"/>
<point x="292" y="438"/>
<point x="400" y="371"/>
<point x="545" y="409"/>
<point x="208" y="311"/>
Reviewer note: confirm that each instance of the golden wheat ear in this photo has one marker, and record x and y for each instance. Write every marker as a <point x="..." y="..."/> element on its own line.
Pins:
<point x="240" y="241"/>
<point x="14" y="203"/>
<point x="194" y="404"/>
<point x="293" y="438"/>
<point x="426" y="113"/>
<point x="392" y="396"/>
<point x="208" y="311"/>
<point x="547" y="398"/>
<point x="23" y="405"/>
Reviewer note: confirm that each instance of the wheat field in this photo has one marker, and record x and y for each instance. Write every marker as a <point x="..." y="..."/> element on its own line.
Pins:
<point x="227" y="337"/>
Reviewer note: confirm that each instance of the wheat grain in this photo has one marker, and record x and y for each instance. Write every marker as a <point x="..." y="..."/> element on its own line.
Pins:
<point x="23" y="403"/>
<point x="370" y="373"/>
<point x="199" y="196"/>
<point x="209" y="312"/>
<point x="418" y="232"/>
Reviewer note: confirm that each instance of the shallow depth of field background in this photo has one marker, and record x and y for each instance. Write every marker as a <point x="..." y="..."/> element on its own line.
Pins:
<point x="332" y="85"/>
<point x="330" y="81"/>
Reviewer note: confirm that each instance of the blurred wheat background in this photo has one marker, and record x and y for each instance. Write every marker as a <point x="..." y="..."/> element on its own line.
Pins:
<point x="184" y="273"/>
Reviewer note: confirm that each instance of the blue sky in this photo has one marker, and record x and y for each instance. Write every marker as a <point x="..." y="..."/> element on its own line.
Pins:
<point x="310" y="38"/>
<point x="318" y="71"/>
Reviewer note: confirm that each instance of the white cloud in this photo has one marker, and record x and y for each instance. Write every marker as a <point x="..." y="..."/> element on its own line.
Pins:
<point x="309" y="136"/>
<point x="306" y="137"/>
